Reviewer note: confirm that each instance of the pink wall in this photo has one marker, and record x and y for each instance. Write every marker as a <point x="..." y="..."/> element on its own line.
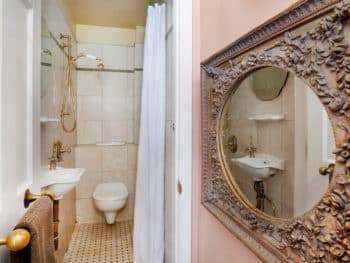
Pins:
<point x="216" y="24"/>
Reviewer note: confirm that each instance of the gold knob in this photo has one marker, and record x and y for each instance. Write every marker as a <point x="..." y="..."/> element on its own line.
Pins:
<point x="17" y="240"/>
<point x="323" y="170"/>
<point x="327" y="171"/>
<point x="30" y="197"/>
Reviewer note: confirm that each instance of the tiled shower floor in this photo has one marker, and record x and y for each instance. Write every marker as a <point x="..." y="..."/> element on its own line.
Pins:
<point x="101" y="243"/>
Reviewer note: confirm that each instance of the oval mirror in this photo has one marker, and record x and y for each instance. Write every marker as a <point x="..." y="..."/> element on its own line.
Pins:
<point x="275" y="148"/>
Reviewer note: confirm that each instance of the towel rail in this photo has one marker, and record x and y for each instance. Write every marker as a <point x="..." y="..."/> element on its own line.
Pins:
<point x="29" y="197"/>
<point x="17" y="240"/>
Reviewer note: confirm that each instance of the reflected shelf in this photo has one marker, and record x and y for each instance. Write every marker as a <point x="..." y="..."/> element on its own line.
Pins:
<point x="45" y="119"/>
<point x="267" y="117"/>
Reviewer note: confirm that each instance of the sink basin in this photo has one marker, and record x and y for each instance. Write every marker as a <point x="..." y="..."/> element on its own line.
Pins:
<point x="61" y="180"/>
<point x="261" y="167"/>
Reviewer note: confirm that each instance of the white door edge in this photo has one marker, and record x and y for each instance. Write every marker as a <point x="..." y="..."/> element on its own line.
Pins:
<point x="183" y="131"/>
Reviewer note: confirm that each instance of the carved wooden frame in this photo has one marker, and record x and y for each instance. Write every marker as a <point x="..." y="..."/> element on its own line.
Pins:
<point x="310" y="40"/>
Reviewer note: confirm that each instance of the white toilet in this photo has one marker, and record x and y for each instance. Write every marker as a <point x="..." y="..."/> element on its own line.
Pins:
<point x="110" y="197"/>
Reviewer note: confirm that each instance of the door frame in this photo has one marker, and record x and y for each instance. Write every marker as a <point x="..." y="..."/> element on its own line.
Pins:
<point x="183" y="132"/>
<point x="21" y="168"/>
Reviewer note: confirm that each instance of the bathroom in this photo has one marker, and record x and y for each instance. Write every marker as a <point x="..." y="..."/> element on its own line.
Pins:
<point x="87" y="122"/>
<point x="154" y="131"/>
<point x="107" y="75"/>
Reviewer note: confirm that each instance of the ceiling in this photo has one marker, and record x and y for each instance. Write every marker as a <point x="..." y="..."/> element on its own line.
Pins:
<point x="114" y="13"/>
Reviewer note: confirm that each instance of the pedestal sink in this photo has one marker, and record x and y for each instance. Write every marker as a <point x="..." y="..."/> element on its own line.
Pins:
<point x="260" y="167"/>
<point x="61" y="180"/>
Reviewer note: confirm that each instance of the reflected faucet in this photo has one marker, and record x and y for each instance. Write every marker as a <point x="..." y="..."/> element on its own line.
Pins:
<point x="251" y="148"/>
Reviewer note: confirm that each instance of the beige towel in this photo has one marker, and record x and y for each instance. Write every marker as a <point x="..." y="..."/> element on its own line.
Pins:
<point x="38" y="221"/>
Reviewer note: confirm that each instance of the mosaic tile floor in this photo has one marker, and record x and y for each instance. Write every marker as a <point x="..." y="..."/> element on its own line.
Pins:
<point x="101" y="243"/>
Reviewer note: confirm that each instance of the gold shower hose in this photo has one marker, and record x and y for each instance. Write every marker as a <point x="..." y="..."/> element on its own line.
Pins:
<point x="68" y="90"/>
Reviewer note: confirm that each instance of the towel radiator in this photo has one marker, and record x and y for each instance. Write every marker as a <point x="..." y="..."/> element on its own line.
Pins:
<point x="19" y="238"/>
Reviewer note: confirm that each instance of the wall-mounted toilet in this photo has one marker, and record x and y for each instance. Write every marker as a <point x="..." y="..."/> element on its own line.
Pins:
<point x="109" y="198"/>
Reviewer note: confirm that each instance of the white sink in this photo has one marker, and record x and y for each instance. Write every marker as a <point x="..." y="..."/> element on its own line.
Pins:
<point x="61" y="180"/>
<point x="260" y="167"/>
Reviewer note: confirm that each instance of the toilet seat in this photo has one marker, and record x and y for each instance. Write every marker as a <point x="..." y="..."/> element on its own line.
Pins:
<point x="110" y="192"/>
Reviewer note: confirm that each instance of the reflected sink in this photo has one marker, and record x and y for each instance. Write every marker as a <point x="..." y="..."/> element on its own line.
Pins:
<point x="261" y="167"/>
<point x="61" y="180"/>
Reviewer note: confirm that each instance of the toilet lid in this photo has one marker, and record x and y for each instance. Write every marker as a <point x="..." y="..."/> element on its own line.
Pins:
<point x="111" y="191"/>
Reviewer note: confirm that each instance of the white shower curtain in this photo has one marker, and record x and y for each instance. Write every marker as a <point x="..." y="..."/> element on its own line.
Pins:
<point x="149" y="200"/>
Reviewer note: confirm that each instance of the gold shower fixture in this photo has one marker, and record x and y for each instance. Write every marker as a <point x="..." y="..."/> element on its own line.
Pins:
<point x="69" y="102"/>
<point x="68" y="92"/>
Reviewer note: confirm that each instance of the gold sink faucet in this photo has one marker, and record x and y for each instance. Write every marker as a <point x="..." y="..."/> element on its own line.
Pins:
<point x="57" y="152"/>
<point x="251" y="148"/>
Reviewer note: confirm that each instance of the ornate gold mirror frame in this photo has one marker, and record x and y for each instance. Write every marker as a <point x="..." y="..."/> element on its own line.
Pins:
<point x="311" y="40"/>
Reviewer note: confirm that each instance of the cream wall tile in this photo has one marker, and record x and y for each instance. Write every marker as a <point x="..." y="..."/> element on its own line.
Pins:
<point x="131" y="181"/>
<point x="115" y="84"/>
<point x="90" y="83"/>
<point x="270" y="138"/>
<point x="288" y="98"/>
<point x="287" y="196"/>
<point x="87" y="184"/>
<point x="138" y="94"/>
<point x="105" y="35"/>
<point x="89" y="132"/>
<point x="131" y="95"/>
<point x="123" y="214"/>
<point x="130" y="107"/>
<point x="274" y="191"/>
<point x="89" y="108"/>
<point x="137" y="131"/>
<point x="131" y="132"/>
<point x="139" y="56"/>
<point x="88" y="157"/>
<point x="68" y="139"/>
<point x="115" y="57"/>
<point x="130" y="83"/>
<point x="132" y="157"/>
<point x="114" y="158"/>
<point x="138" y="82"/>
<point x="131" y="201"/>
<point x="87" y="212"/>
<point x="140" y="34"/>
<point x="130" y="58"/>
<point x="115" y="176"/>
<point x="114" y="109"/>
<point x="115" y="130"/>
<point x="68" y="159"/>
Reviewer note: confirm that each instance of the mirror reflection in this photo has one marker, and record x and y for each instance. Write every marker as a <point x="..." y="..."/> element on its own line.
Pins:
<point x="275" y="146"/>
<point x="46" y="57"/>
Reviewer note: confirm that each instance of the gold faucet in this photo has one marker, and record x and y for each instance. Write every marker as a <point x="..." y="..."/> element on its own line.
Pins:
<point x="251" y="148"/>
<point x="57" y="152"/>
